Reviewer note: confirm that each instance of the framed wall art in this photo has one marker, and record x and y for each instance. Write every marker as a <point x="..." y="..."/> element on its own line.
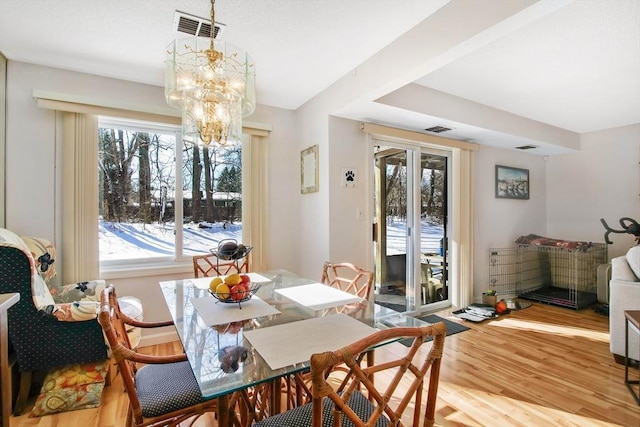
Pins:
<point x="309" y="170"/>
<point x="512" y="183"/>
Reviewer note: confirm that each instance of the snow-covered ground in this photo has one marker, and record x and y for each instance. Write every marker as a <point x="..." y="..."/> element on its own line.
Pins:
<point x="131" y="241"/>
<point x="430" y="235"/>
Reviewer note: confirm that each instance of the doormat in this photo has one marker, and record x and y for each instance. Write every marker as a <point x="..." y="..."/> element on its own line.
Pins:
<point x="452" y="328"/>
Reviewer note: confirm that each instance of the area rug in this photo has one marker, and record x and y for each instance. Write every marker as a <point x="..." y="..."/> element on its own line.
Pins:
<point x="452" y="327"/>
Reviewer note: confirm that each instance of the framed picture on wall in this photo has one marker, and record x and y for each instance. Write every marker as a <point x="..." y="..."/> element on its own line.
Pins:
<point x="309" y="170"/>
<point x="512" y="183"/>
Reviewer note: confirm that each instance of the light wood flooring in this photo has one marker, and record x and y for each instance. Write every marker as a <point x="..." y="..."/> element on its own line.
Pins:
<point x="540" y="366"/>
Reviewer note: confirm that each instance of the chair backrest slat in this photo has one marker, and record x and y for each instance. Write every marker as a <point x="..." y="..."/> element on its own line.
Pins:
<point x="209" y="265"/>
<point x="408" y="367"/>
<point x="348" y="277"/>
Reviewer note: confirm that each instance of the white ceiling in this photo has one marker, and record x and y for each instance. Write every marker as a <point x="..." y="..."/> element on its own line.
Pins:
<point x="572" y="65"/>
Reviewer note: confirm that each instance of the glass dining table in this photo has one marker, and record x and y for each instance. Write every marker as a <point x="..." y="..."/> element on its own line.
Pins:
<point x="225" y="361"/>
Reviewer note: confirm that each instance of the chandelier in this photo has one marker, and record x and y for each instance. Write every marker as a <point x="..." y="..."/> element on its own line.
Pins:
<point x="213" y="83"/>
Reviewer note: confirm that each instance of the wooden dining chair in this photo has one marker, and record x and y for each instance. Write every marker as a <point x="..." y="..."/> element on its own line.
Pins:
<point x="348" y="277"/>
<point x="397" y="400"/>
<point x="163" y="392"/>
<point x="209" y="265"/>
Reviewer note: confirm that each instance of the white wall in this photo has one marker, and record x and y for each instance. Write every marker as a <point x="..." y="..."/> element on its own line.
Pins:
<point x="602" y="180"/>
<point x="499" y="222"/>
<point x="312" y="245"/>
<point x="349" y="236"/>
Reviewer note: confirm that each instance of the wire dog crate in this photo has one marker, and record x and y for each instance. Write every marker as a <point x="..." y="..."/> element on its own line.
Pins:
<point x="504" y="271"/>
<point x="554" y="275"/>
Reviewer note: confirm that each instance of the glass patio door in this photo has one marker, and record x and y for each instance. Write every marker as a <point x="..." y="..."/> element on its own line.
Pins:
<point x="410" y="200"/>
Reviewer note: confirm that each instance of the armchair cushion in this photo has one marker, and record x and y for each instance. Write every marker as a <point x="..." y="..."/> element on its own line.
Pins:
<point x="71" y="387"/>
<point x="74" y="302"/>
<point x="43" y="253"/>
<point x="77" y="301"/>
<point x="621" y="271"/>
<point x="633" y="258"/>
<point x="41" y="296"/>
<point x="624" y="294"/>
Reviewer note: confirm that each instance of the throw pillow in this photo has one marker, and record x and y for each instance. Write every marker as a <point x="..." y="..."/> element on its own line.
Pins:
<point x="81" y="291"/>
<point x="633" y="258"/>
<point x="71" y="387"/>
<point x="44" y="256"/>
<point x="41" y="296"/>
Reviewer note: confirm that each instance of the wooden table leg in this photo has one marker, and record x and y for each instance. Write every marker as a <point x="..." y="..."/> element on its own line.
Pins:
<point x="276" y="397"/>
<point x="223" y="411"/>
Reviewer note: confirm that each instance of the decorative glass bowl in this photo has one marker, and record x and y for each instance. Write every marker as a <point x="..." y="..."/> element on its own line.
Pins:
<point x="252" y="289"/>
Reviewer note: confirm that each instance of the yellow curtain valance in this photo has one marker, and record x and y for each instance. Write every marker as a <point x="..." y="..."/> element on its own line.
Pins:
<point x="163" y="114"/>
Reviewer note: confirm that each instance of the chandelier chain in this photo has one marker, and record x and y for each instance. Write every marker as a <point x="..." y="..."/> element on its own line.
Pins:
<point x="212" y="30"/>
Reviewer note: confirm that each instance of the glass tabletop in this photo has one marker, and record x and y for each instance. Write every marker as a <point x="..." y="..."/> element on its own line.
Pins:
<point x="223" y="360"/>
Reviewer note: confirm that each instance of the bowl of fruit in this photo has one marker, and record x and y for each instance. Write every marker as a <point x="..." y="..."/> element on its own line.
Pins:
<point x="233" y="289"/>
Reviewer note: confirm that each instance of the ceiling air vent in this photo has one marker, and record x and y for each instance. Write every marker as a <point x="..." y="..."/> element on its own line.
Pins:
<point x="194" y="26"/>
<point x="438" y="129"/>
<point x="526" y="147"/>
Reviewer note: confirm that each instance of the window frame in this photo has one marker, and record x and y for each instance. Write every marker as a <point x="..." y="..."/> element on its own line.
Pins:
<point x="133" y="125"/>
<point x="178" y="257"/>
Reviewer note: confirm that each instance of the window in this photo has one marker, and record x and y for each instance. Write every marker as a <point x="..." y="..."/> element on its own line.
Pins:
<point x="161" y="199"/>
<point x="78" y="148"/>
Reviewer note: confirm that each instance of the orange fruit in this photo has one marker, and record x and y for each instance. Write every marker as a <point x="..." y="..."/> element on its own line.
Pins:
<point x="501" y="306"/>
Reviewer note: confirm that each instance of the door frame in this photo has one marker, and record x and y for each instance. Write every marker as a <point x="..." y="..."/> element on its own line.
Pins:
<point x="414" y="152"/>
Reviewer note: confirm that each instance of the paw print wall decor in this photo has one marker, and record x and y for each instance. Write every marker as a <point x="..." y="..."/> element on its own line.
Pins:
<point x="349" y="177"/>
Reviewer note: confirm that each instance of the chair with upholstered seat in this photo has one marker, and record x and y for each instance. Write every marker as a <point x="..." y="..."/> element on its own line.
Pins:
<point x="348" y="277"/>
<point x="164" y="391"/>
<point x="397" y="400"/>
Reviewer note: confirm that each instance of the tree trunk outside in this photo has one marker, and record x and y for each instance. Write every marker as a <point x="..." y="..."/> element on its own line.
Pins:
<point x="208" y="184"/>
<point x="144" y="178"/>
<point x="196" y="197"/>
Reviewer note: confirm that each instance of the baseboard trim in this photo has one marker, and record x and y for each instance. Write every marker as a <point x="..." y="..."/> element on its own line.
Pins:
<point x="159" y="338"/>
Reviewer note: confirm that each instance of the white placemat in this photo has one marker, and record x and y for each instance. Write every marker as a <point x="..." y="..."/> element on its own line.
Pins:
<point x="203" y="282"/>
<point x="214" y="312"/>
<point x="318" y="296"/>
<point x="291" y="343"/>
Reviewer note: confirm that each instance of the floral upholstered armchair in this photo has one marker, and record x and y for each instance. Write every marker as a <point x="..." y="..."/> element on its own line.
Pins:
<point x="52" y="325"/>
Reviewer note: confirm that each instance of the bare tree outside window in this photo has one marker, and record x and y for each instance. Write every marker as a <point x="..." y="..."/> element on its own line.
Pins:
<point x="137" y="194"/>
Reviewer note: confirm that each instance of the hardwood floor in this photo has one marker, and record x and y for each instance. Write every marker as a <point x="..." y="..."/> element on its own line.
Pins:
<point x="541" y="366"/>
